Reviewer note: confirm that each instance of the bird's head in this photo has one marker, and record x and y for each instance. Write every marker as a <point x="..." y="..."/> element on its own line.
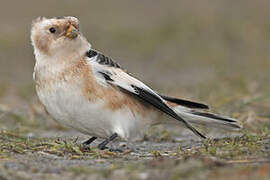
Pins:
<point x="61" y="35"/>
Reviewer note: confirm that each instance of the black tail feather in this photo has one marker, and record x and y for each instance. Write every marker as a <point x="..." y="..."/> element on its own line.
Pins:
<point x="229" y="121"/>
<point x="186" y="103"/>
<point x="158" y="103"/>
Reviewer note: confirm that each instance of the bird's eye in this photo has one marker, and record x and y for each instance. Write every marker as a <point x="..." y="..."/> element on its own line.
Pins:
<point x="52" y="30"/>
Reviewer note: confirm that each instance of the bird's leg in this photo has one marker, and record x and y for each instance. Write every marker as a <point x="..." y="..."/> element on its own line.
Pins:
<point x="89" y="141"/>
<point x="102" y="145"/>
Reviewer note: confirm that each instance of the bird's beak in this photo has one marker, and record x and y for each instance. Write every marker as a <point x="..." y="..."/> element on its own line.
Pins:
<point x="71" y="32"/>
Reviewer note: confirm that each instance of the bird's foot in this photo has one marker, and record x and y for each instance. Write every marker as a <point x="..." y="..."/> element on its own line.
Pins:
<point x="85" y="146"/>
<point x="103" y="145"/>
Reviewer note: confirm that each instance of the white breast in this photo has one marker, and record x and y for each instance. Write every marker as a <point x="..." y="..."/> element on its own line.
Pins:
<point x="67" y="106"/>
<point x="64" y="101"/>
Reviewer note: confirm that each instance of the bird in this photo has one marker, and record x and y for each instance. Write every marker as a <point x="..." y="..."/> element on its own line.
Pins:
<point x="85" y="90"/>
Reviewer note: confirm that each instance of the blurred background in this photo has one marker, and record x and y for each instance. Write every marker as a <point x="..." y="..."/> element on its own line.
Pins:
<point x="213" y="51"/>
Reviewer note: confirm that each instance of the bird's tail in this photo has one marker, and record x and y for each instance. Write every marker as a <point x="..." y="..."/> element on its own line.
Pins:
<point x="207" y="119"/>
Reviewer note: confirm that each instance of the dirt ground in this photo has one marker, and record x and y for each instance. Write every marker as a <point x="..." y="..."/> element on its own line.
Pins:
<point x="215" y="52"/>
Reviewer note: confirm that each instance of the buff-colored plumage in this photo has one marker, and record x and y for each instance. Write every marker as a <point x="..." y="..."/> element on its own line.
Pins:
<point x="92" y="94"/>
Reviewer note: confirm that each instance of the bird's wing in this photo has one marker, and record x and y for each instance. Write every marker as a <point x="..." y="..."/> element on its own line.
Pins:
<point x="109" y="73"/>
<point x="185" y="103"/>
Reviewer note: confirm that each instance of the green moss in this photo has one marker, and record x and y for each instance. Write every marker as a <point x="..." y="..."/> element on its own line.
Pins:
<point x="246" y="146"/>
<point x="10" y="142"/>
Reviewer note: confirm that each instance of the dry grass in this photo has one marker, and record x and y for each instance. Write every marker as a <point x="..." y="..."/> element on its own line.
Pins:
<point x="212" y="51"/>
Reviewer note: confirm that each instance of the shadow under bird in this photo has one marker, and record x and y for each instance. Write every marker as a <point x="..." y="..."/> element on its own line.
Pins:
<point x="85" y="90"/>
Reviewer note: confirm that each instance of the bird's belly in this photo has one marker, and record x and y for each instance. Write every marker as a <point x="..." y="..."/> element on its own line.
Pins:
<point x="67" y="106"/>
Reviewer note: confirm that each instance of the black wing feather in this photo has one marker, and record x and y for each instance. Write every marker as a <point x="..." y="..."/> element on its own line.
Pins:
<point x="186" y="103"/>
<point x="159" y="104"/>
<point x="102" y="59"/>
<point x="106" y="76"/>
<point x="154" y="100"/>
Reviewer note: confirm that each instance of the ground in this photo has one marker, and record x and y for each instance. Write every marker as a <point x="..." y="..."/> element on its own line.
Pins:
<point x="216" y="52"/>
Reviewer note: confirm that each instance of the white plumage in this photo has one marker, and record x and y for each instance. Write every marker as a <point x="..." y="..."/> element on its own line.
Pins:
<point x="87" y="91"/>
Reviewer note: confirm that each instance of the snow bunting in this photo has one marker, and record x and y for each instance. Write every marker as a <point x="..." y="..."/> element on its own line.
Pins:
<point x="83" y="89"/>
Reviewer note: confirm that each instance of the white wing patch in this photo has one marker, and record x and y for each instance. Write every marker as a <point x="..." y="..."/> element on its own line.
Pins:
<point x="110" y="75"/>
<point x="119" y="77"/>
